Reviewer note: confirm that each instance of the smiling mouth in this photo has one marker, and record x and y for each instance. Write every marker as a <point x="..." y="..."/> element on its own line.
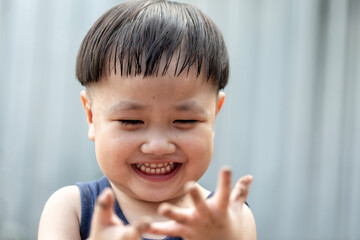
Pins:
<point x="156" y="168"/>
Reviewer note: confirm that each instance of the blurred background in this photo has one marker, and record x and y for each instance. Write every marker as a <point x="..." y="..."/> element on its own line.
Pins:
<point x="291" y="117"/>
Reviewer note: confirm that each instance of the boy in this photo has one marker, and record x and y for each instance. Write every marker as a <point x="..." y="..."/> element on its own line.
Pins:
<point x="153" y="71"/>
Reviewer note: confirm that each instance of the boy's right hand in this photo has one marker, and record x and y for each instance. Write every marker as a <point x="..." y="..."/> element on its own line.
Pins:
<point x="106" y="225"/>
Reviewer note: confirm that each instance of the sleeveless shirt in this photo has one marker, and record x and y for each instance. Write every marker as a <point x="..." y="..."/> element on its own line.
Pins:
<point x="89" y="191"/>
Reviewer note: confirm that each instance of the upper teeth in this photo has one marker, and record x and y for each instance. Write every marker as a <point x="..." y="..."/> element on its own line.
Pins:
<point x="156" y="168"/>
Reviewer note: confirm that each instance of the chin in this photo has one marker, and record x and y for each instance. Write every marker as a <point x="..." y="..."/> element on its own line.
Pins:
<point x="158" y="196"/>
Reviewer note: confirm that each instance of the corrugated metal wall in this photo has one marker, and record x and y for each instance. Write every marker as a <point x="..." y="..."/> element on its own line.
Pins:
<point x="291" y="117"/>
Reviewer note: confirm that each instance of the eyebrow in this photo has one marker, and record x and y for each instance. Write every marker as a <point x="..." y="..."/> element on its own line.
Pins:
<point x="126" y="105"/>
<point x="191" y="106"/>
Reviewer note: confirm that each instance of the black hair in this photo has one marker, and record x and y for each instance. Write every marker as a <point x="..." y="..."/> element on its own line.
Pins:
<point x="132" y="37"/>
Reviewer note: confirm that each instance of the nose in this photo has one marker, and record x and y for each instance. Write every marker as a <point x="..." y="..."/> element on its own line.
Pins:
<point x="158" y="145"/>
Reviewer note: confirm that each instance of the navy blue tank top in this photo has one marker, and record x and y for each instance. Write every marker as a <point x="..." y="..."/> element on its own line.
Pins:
<point x="89" y="191"/>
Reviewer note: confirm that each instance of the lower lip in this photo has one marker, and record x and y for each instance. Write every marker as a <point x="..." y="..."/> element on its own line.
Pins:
<point x="158" y="178"/>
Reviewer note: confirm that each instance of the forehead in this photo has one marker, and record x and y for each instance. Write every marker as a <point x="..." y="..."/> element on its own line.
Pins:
<point x="188" y="89"/>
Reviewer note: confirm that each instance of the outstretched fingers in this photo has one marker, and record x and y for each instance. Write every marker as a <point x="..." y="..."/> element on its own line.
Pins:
<point x="104" y="220"/>
<point x="241" y="189"/>
<point x="199" y="202"/>
<point x="134" y="231"/>
<point x="104" y="214"/>
<point x="223" y="191"/>
<point x="175" y="213"/>
<point x="106" y="224"/>
<point x="142" y="225"/>
<point x="168" y="228"/>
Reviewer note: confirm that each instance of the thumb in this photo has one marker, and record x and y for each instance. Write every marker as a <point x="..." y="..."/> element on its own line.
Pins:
<point x="104" y="214"/>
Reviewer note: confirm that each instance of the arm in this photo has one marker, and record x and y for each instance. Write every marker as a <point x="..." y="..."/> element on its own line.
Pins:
<point x="225" y="216"/>
<point x="60" y="217"/>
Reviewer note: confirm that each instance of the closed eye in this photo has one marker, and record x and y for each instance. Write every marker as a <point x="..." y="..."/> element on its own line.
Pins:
<point x="185" y="121"/>
<point x="130" y="122"/>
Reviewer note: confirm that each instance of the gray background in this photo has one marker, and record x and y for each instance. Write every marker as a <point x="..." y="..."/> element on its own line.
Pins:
<point x="291" y="117"/>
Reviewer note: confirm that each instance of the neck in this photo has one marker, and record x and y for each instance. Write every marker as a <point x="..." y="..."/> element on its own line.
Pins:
<point x="134" y="209"/>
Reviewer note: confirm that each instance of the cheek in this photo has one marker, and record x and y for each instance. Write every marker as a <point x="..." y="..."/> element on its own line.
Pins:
<point x="122" y="145"/>
<point x="199" y="145"/>
<point x="198" y="151"/>
<point x="113" y="147"/>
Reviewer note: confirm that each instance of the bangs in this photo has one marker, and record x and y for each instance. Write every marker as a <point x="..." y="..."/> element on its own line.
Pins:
<point x="145" y="37"/>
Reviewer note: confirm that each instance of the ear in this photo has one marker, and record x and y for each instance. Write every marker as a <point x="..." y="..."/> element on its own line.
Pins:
<point x="89" y="114"/>
<point x="220" y="101"/>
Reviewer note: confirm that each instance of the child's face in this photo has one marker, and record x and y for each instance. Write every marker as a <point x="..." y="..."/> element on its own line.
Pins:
<point x="152" y="135"/>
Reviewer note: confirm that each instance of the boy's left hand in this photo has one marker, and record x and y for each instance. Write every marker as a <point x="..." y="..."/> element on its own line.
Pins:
<point x="224" y="216"/>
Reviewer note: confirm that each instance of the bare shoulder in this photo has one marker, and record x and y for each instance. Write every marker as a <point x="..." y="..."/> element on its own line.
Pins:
<point x="60" y="218"/>
<point x="249" y="223"/>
